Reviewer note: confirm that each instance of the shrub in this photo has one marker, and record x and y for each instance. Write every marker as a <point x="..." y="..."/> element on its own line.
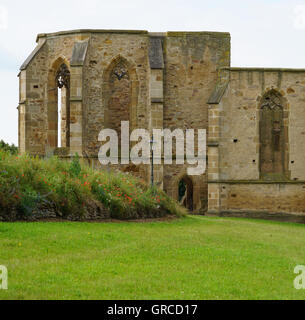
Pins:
<point x="75" y="167"/>
<point x="12" y="149"/>
<point x="70" y="190"/>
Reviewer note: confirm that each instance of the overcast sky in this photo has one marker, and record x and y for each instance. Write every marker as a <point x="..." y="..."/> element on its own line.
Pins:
<point x="265" y="33"/>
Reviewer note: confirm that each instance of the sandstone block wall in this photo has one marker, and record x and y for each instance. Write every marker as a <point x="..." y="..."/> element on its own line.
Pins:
<point x="173" y="80"/>
<point x="234" y="159"/>
<point x="154" y="80"/>
<point x="191" y="71"/>
<point x="269" y="198"/>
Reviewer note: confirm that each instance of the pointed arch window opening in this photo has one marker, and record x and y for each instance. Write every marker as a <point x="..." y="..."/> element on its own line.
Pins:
<point x="63" y="106"/>
<point x="272" y="136"/>
<point x="118" y="94"/>
<point x="63" y="77"/>
<point x="59" y="110"/>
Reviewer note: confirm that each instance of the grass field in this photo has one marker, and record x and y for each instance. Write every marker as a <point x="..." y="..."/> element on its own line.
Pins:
<point x="189" y="258"/>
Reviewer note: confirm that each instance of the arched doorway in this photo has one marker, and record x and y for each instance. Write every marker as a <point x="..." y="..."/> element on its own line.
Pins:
<point x="186" y="193"/>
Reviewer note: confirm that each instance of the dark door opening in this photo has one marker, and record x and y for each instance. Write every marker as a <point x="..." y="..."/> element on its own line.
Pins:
<point x="186" y="193"/>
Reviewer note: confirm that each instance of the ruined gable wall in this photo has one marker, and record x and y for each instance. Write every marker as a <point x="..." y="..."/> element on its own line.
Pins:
<point x="32" y="106"/>
<point x="36" y="78"/>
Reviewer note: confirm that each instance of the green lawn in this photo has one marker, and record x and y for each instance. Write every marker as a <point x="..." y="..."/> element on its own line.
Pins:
<point x="190" y="258"/>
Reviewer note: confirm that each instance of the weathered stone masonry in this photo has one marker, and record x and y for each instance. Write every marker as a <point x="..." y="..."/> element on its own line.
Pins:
<point x="246" y="175"/>
<point x="254" y="117"/>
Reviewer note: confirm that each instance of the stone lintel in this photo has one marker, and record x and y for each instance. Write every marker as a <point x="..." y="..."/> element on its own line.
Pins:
<point x="76" y="99"/>
<point x="157" y="100"/>
<point x="213" y="144"/>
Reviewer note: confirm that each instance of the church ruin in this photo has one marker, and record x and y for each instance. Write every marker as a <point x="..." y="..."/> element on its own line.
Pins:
<point x="76" y="83"/>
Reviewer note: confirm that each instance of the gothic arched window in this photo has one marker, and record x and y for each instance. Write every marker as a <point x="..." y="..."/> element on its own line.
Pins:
<point x="119" y="95"/>
<point x="272" y="136"/>
<point x="59" y="79"/>
<point x="63" y="101"/>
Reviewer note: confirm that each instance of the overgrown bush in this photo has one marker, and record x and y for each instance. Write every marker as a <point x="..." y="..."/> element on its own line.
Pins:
<point x="31" y="186"/>
<point x="12" y="149"/>
<point x="75" y="167"/>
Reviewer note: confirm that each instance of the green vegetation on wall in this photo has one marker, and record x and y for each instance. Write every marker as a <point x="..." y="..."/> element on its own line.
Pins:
<point x="32" y="188"/>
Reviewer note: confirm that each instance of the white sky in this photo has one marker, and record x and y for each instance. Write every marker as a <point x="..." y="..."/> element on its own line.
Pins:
<point x="265" y="33"/>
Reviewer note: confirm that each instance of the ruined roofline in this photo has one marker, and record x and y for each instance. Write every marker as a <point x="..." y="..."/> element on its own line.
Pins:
<point x="198" y="33"/>
<point x="223" y="82"/>
<point x="157" y="34"/>
<point x="261" y="69"/>
<point x="88" y="31"/>
<point x="136" y="32"/>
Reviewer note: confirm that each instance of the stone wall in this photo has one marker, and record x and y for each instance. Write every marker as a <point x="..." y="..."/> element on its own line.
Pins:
<point x="174" y="80"/>
<point x="268" y="198"/>
<point x="240" y="121"/>
<point x="38" y="97"/>
<point x="105" y="50"/>
<point x="192" y="61"/>
<point x="234" y="152"/>
<point x="154" y="80"/>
